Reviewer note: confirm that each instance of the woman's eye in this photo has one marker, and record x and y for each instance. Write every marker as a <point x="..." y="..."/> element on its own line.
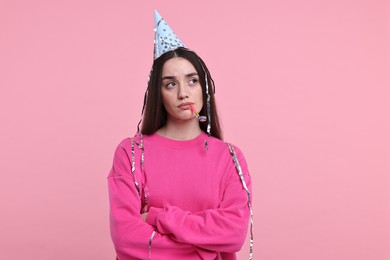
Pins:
<point x="170" y="85"/>
<point x="193" y="81"/>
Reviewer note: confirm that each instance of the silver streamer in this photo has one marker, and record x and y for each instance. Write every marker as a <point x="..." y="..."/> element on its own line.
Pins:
<point x="133" y="167"/>
<point x="208" y="106"/>
<point x="150" y="244"/>
<point x="140" y="145"/>
<point x="206" y="145"/>
<point x="239" y="171"/>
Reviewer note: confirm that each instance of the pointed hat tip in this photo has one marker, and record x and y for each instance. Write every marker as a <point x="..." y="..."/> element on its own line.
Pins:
<point x="157" y="16"/>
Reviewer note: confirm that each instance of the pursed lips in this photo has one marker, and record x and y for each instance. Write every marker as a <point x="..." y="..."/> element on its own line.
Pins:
<point x="186" y="105"/>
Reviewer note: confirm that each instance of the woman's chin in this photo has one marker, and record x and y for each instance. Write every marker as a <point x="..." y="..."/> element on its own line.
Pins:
<point x="184" y="118"/>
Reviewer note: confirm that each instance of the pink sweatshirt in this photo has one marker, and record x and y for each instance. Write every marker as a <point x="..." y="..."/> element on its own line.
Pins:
<point x="197" y="204"/>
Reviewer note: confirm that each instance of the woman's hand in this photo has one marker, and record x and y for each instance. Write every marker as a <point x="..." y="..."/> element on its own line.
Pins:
<point x="144" y="216"/>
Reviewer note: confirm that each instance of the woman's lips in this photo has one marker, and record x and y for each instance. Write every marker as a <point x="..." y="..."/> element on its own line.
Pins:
<point x="185" y="106"/>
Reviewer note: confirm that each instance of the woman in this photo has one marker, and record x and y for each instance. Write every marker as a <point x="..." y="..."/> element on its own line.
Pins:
<point x="174" y="188"/>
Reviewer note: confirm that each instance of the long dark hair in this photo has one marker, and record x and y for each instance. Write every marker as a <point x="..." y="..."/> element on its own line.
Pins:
<point x="154" y="113"/>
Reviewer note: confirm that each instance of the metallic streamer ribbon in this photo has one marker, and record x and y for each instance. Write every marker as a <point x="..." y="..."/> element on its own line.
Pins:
<point x="239" y="171"/>
<point x="140" y="145"/>
<point x="150" y="244"/>
<point x="208" y="111"/>
<point x="133" y="167"/>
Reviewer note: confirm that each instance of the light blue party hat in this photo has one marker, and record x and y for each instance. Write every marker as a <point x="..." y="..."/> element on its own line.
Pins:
<point x="164" y="37"/>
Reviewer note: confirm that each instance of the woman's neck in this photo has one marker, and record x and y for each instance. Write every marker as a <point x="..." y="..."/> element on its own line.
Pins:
<point x="180" y="130"/>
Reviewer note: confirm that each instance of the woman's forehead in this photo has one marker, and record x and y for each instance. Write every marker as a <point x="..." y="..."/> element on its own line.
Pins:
<point x="178" y="66"/>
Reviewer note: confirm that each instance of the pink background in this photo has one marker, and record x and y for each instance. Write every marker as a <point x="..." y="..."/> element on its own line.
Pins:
<point x="302" y="87"/>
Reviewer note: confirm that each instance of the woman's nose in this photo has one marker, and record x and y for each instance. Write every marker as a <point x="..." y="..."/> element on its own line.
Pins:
<point x="183" y="91"/>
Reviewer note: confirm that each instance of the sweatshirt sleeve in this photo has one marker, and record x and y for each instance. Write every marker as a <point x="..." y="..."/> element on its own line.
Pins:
<point x="223" y="229"/>
<point x="130" y="234"/>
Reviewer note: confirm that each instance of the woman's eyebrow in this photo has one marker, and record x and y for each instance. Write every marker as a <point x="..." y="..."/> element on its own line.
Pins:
<point x="168" y="77"/>
<point x="191" y="74"/>
<point x="186" y="75"/>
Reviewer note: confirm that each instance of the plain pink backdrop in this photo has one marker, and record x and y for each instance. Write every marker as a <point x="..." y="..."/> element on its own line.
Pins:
<point x="302" y="87"/>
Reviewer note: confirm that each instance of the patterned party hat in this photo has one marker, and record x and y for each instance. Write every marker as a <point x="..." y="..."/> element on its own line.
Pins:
<point x="164" y="37"/>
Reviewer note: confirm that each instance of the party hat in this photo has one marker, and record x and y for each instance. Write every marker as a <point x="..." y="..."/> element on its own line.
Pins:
<point x="164" y="37"/>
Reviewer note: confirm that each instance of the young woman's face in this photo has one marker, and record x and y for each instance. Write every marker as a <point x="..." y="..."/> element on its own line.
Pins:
<point x="180" y="88"/>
